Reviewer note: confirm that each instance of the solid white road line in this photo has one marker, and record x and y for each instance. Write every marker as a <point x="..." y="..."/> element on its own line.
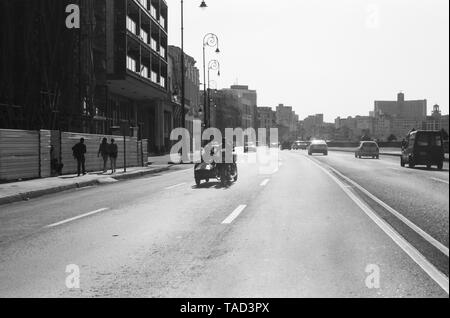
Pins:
<point x="415" y="255"/>
<point x="234" y="215"/>
<point x="264" y="183"/>
<point x="440" y="180"/>
<point x="176" y="186"/>
<point x="427" y="237"/>
<point x="77" y="217"/>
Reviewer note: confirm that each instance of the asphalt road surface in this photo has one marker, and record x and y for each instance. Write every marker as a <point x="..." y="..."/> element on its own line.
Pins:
<point x="315" y="226"/>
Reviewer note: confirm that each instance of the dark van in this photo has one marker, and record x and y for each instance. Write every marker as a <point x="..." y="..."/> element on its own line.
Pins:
<point x="423" y="148"/>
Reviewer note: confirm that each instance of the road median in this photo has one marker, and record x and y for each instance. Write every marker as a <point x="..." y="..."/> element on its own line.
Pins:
<point x="383" y="152"/>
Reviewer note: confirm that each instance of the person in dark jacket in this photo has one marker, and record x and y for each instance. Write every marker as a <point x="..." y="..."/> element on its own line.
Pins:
<point x="104" y="151"/>
<point x="113" y="154"/>
<point x="79" y="151"/>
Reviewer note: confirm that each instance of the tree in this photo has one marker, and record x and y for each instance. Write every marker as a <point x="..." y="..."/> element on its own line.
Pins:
<point x="392" y="138"/>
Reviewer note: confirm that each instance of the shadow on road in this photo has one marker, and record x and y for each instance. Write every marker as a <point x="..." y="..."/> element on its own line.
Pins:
<point x="426" y="169"/>
<point x="211" y="185"/>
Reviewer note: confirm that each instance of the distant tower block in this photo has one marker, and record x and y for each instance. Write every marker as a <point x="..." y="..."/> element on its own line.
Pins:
<point x="401" y="97"/>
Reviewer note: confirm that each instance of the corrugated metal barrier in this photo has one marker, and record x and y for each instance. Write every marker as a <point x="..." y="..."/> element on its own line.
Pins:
<point x="27" y="154"/>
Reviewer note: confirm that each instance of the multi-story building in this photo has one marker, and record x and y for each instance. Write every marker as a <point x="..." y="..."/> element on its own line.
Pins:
<point x="267" y="119"/>
<point x="401" y="108"/>
<point x="137" y="67"/>
<point x="192" y="84"/>
<point x="353" y="128"/>
<point x="312" y="125"/>
<point x="436" y="121"/>
<point x="106" y="77"/>
<point x="225" y="111"/>
<point x="248" y="101"/>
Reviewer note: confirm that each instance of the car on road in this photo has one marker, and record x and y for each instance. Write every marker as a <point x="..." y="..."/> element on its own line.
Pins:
<point x="303" y="145"/>
<point x="296" y="145"/>
<point x="423" y="148"/>
<point x="368" y="149"/>
<point x="318" y="146"/>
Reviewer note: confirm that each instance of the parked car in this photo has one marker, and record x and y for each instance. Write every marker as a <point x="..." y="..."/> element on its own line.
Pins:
<point x="368" y="149"/>
<point x="423" y="148"/>
<point x="318" y="146"/>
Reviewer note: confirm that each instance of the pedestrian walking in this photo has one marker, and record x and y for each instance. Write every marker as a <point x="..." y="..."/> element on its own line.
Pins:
<point x="103" y="150"/>
<point x="113" y="154"/>
<point x="79" y="151"/>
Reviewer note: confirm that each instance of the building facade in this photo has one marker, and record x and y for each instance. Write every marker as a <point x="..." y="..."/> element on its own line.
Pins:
<point x="401" y="108"/>
<point x="247" y="103"/>
<point x="108" y="77"/>
<point x="192" y="92"/>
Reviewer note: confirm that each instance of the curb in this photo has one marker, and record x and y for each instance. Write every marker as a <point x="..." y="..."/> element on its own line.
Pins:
<point x="39" y="193"/>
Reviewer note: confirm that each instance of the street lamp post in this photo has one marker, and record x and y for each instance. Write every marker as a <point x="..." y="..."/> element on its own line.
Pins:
<point x="215" y="66"/>
<point x="210" y="40"/>
<point x="183" y="80"/>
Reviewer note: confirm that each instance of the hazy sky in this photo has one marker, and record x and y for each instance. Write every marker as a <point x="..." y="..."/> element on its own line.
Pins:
<point x="324" y="56"/>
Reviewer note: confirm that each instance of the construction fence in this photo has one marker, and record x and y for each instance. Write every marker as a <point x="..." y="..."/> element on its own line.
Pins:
<point x="29" y="154"/>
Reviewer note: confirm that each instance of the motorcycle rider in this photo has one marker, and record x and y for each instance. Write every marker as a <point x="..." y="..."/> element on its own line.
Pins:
<point x="227" y="169"/>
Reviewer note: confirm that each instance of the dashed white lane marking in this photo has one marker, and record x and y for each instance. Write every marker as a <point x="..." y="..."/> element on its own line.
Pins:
<point x="264" y="183"/>
<point x="410" y="250"/>
<point x="77" y="217"/>
<point x="175" y="186"/>
<point x="440" y="180"/>
<point x="234" y="215"/>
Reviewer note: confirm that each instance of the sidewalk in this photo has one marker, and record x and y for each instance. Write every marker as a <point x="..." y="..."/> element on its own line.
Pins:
<point x="166" y="159"/>
<point x="383" y="151"/>
<point x="24" y="190"/>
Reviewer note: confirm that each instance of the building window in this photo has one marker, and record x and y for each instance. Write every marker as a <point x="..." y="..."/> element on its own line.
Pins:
<point x="131" y="64"/>
<point x="144" y="72"/>
<point x="154" y="77"/>
<point x="131" y="25"/>
<point x="162" y="52"/>
<point x="153" y="11"/>
<point x="162" y="82"/>
<point x="153" y="44"/>
<point x="144" y="3"/>
<point x="144" y="36"/>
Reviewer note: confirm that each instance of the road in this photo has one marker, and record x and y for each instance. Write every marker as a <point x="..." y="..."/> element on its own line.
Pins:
<point x="300" y="230"/>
